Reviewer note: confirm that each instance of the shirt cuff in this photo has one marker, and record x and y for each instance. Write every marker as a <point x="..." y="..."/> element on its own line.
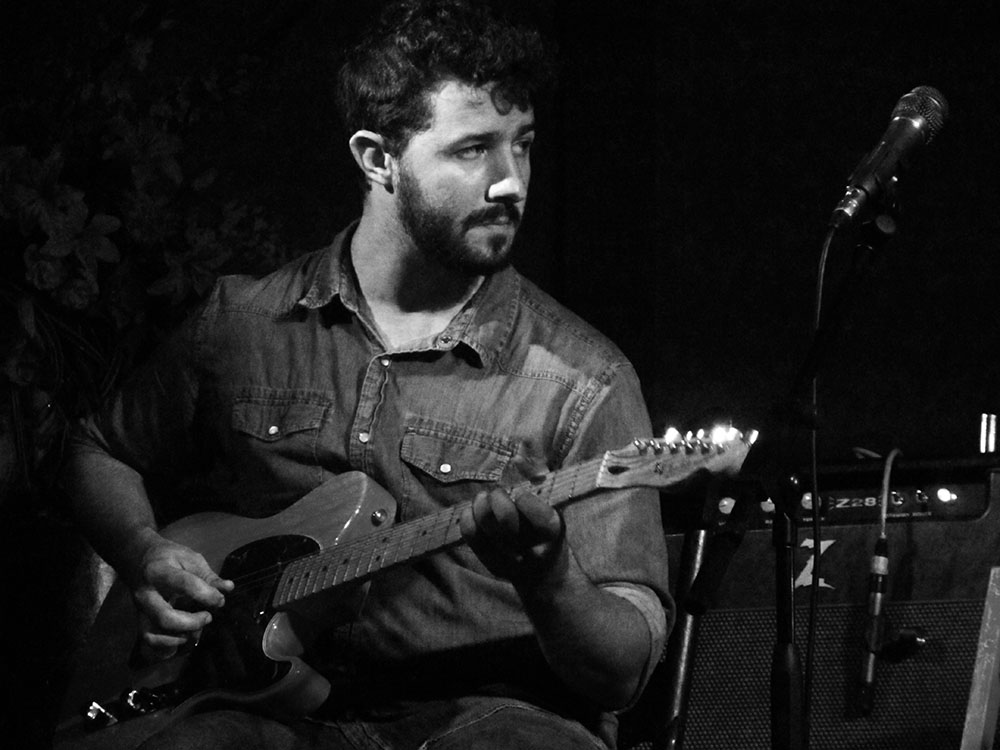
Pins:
<point x="648" y="604"/>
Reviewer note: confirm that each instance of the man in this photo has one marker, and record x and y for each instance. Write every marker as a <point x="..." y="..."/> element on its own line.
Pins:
<point x="411" y="351"/>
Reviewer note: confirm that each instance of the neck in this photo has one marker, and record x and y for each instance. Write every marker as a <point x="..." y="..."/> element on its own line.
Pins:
<point x="410" y="295"/>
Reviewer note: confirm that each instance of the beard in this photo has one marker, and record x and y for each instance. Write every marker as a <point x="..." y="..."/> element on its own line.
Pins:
<point x="442" y="237"/>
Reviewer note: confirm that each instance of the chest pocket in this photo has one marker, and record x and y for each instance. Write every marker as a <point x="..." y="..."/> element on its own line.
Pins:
<point x="274" y="421"/>
<point x="276" y="445"/>
<point x="449" y="464"/>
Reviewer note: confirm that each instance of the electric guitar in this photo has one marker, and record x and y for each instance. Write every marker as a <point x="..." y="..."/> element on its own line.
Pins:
<point x="286" y="565"/>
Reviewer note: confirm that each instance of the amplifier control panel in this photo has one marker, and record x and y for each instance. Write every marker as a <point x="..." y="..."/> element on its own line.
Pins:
<point x="956" y="490"/>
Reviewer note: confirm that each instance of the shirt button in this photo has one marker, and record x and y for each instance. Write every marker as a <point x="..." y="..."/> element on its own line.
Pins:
<point x="364" y="437"/>
<point x="446" y="339"/>
<point x="445" y="468"/>
<point x="272" y="430"/>
<point x="385" y="361"/>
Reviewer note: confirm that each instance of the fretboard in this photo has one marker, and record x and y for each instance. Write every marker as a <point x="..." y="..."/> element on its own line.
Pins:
<point x="358" y="560"/>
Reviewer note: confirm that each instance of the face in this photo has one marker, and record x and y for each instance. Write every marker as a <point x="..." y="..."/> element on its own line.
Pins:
<point x="462" y="184"/>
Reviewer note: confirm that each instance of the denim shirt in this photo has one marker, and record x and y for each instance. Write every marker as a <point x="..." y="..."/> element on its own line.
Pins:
<point x="280" y="383"/>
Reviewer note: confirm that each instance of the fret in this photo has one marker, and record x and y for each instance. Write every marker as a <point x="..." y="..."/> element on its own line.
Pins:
<point x="414" y="538"/>
<point x="380" y="560"/>
<point x="359" y="561"/>
<point x="343" y="562"/>
<point x="394" y="552"/>
<point x="300" y="587"/>
<point x="377" y="558"/>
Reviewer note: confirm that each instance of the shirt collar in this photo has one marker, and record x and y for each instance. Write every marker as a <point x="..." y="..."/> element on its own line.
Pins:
<point x="484" y="325"/>
<point x="486" y="322"/>
<point x="331" y="276"/>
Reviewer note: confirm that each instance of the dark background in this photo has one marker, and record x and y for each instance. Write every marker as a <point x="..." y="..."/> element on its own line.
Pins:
<point x="683" y="178"/>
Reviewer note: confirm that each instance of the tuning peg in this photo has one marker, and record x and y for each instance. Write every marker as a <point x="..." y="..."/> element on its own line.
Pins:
<point x="644" y="445"/>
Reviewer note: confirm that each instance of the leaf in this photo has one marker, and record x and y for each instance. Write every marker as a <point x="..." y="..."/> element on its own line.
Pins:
<point x="31" y="208"/>
<point x="104" y="224"/>
<point x="59" y="247"/>
<point x="106" y="250"/>
<point x="21" y="364"/>
<point x="66" y="214"/>
<point x="77" y="294"/>
<point x="46" y="274"/>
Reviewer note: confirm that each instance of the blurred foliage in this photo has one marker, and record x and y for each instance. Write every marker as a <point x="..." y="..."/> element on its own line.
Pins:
<point x="113" y="221"/>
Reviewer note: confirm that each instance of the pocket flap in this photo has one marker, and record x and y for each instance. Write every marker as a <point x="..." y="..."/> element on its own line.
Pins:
<point x="454" y="458"/>
<point x="274" y="420"/>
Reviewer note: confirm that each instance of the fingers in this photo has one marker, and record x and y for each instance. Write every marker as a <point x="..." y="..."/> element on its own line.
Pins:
<point x="181" y="573"/>
<point x="496" y="516"/>
<point x="176" y="592"/>
<point x="514" y="539"/>
<point x="220" y="584"/>
<point x="181" y="583"/>
<point x="163" y="629"/>
<point x="155" y="645"/>
<point x="526" y="521"/>
<point x="165" y="618"/>
<point x="530" y="466"/>
<point x="541" y="516"/>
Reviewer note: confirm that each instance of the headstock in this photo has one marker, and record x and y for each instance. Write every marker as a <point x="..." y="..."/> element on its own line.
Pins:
<point x="663" y="462"/>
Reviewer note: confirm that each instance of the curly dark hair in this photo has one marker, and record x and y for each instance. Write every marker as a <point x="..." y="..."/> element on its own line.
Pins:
<point x="384" y="82"/>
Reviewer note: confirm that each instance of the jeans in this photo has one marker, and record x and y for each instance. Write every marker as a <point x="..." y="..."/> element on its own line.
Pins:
<point x="477" y="723"/>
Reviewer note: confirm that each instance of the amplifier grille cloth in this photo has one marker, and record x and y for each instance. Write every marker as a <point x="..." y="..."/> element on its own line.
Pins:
<point x="920" y="702"/>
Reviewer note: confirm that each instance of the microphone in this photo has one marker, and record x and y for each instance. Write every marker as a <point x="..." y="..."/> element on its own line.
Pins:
<point x="874" y="625"/>
<point x="917" y="118"/>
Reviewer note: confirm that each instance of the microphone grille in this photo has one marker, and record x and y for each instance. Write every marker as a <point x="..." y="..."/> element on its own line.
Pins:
<point x="926" y="102"/>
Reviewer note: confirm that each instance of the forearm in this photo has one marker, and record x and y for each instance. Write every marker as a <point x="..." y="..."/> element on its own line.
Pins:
<point x="595" y="641"/>
<point x="111" y="506"/>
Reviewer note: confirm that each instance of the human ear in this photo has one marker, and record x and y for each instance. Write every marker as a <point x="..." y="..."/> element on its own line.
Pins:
<point x="371" y="156"/>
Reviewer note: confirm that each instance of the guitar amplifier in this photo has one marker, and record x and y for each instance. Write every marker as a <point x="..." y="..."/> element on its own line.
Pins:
<point x="944" y="537"/>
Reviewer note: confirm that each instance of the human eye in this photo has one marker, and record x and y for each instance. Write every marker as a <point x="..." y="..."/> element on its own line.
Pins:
<point x="472" y="151"/>
<point x="523" y="145"/>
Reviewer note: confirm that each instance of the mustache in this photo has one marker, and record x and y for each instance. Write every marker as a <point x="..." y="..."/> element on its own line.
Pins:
<point x="494" y="214"/>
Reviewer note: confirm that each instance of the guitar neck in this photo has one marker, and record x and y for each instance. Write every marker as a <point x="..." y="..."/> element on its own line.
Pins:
<point x="406" y="542"/>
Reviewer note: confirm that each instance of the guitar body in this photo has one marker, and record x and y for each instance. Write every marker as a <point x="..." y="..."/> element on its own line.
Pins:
<point x="250" y="655"/>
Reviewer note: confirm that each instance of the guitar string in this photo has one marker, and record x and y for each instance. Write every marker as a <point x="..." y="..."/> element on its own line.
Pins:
<point x="293" y="579"/>
<point x="311" y="573"/>
<point x="559" y="486"/>
<point x="300" y="577"/>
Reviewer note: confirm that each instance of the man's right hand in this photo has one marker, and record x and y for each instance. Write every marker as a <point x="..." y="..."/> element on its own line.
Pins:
<point x="175" y="591"/>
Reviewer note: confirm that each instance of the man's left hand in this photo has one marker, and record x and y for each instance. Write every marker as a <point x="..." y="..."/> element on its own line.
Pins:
<point x="522" y="540"/>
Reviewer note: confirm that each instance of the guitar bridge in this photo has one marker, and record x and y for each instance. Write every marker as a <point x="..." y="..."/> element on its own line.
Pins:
<point x="132" y="704"/>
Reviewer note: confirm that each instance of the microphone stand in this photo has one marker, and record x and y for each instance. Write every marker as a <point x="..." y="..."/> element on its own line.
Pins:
<point x="767" y="464"/>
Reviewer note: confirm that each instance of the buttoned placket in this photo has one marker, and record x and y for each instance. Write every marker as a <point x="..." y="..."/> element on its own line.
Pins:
<point x="363" y="427"/>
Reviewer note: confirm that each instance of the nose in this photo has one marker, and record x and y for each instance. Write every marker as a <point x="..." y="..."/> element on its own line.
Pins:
<point x="510" y="181"/>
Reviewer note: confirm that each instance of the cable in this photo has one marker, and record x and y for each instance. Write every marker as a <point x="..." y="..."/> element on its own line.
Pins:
<point x="878" y="578"/>
<point x="817" y="504"/>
